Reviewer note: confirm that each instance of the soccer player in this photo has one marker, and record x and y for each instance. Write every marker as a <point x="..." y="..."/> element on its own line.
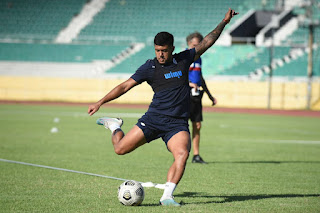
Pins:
<point x="168" y="113"/>
<point x="196" y="81"/>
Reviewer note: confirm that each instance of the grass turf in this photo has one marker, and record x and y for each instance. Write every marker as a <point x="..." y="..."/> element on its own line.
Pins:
<point x="257" y="163"/>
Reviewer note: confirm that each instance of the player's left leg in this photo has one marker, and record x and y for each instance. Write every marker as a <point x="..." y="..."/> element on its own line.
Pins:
<point x="179" y="145"/>
<point x="122" y="144"/>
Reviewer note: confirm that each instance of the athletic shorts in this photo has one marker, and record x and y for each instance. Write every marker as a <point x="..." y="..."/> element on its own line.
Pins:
<point x="156" y="126"/>
<point x="196" y="108"/>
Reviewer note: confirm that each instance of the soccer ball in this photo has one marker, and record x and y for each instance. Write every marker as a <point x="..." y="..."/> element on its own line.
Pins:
<point x="131" y="193"/>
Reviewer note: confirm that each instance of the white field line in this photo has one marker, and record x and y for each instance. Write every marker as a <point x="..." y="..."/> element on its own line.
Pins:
<point x="144" y="184"/>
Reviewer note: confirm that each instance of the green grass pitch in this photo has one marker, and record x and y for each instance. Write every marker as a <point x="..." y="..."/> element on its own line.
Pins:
<point x="257" y="163"/>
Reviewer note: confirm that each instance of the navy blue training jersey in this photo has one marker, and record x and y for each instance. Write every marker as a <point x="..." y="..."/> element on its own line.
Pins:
<point x="170" y="84"/>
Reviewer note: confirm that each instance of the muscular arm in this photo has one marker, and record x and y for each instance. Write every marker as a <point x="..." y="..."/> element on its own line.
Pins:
<point x="209" y="40"/>
<point x="213" y="36"/>
<point x="113" y="94"/>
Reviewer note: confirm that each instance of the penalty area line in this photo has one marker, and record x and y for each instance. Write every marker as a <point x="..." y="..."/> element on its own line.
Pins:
<point x="144" y="184"/>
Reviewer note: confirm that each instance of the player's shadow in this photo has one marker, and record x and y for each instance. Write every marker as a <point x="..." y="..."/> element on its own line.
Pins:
<point x="235" y="198"/>
<point x="266" y="162"/>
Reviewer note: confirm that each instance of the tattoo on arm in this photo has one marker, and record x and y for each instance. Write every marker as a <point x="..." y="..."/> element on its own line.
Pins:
<point x="214" y="34"/>
<point x="210" y="39"/>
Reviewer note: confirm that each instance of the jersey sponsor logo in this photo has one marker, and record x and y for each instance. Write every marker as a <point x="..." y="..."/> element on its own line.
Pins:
<point x="176" y="74"/>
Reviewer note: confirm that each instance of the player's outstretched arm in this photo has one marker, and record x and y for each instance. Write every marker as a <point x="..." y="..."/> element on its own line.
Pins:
<point x="213" y="36"/>
<point x="113" y="94"/>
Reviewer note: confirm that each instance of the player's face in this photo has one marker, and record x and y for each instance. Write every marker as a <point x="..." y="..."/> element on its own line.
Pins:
<point x="193" y="43"/>
<point x="163" y="53"/>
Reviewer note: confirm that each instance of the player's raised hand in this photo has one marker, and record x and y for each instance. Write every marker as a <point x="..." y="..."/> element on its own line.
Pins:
<point x="229" y="15"/>
<point x="93" y="108"/>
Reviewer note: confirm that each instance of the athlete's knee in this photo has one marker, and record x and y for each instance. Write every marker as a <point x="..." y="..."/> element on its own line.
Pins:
<point x="182" y="154"/>
<point x="120" y="150"/>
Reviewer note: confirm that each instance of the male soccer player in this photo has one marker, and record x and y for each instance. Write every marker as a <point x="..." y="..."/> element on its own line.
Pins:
<point x="196" y="81"/>
<point x="168" y="113"/>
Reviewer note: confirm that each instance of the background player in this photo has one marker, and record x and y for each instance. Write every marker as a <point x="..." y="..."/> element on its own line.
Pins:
<point x="168" y="113"/>
<point x="196" y="81"/>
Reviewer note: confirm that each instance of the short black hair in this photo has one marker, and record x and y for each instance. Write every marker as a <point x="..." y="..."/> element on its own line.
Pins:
<point x="164" y="38"/>
<point x="194" y="35"/>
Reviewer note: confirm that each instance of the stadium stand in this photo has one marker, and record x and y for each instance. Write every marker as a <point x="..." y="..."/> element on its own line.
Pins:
<point x="139" y="21"/>
<point x="58" y="52"/>
<point x="298" y="65"/>
<point x="118" y="38"/>
<point x="132" y="63"/>
<point x="35" y="19"/>
<point x="259" y="58"/>
<point x="300" y="36"/>
<point x="122" y="22"/>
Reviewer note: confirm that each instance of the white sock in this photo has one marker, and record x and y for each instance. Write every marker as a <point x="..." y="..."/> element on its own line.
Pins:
<point x="168" y="191"/>
<point x="113" y="127"/>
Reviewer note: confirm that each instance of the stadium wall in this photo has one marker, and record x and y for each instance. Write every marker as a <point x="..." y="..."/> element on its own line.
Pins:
<point x="237" y="94"/>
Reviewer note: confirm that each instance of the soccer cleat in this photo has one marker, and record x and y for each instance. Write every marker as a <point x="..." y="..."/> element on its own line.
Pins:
<point x="198" y="159"/>
<point x="169" y="202"/>
<point x="107" y="122"/>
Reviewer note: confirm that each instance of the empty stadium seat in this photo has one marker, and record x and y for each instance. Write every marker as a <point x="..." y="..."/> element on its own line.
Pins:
<point x="58" y="52"/>
<point x="36" y="19"/>
<point x="122" y="22"/>
<point x="143" y="19"/>
<point x="299" y="66"/>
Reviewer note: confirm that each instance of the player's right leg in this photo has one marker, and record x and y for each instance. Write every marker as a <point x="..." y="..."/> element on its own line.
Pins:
<point x="179" y="146"/>
<point x="122" y="144"/>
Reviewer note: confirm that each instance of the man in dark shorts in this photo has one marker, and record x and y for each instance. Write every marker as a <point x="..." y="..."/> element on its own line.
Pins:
<point x="196" y="81"/>
<point x="168" y="113"/>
